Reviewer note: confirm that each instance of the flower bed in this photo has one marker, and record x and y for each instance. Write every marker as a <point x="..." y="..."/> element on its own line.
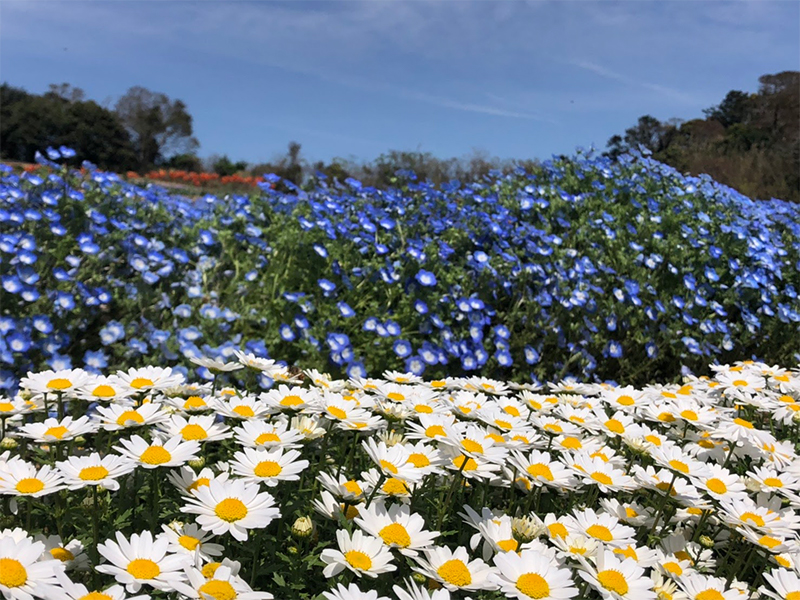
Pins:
<point x="140" y="483"/>
<point x="621" y="271"/>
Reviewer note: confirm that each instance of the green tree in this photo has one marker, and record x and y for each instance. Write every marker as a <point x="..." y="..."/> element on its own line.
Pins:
<point x="158" y="125"/>
<point x="224" y="166"/>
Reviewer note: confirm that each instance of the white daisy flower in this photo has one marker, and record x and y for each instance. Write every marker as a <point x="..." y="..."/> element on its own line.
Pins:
<point x="188" y="538"/>
<point x="222" y="585"/>
<point x="362" y="554"/>
<point x="82" y="471"/>
<point x="454" y="570"/>
<point x="216" y="366"/>
<point x="52" y="430"/>
<point x="64" y="382"/>
<point x="149" y="379"/>
<point x="71" y="555"/>
<point x="259" y="434"/>
<point x="187" y="481"/>
<point x="22" y="573"/>
<point x="352" y="592"/>
<point x="396" y="526"/>
<point x="20" y="478"/>
<point x="69" y="590"/>
<point x="173" y="452"/>
<point x="202" y="428"/>
<point x="530" y="575"/>
<point x="700" y="587"/>
<point x="268" y="466"/>
<point x="783" y="584"/>
<point x="233" y="506"/>
<point x="617" y="579"/>
<point x="118" y="416"/>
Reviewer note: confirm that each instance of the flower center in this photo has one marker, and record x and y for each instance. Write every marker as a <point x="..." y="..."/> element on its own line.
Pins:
<point x="386" y="465"/>
<point x="267" y="437"/>
<point x="6" y="407"/>
<point x="194" y="402"/>
<point x="188" y="542"/>
<point x="129" y="416"/>
<point x="244" y="411"/>
<point x="600" y="532"/>
<point x="679" y="466"/>
<point x="56" y="432"/>
<point x="199" y="483"/>
<point x="602" y="478"/>
<point x="717" y="486"/>
<point x="93" y="473"/>
<point x="358" y="560"/>
<point x="653" y="439"/>
<point x="471" y="446"/>
<point x="231" y="510"/>
<point x="540" y="470"/>
<point x="553" y="427"/>
<point x="758" y="520"/>
<point x="613" y="581"/>
<point x="743" y="423"/>
<point x="267" y="468"/>
<point x="557" y="530"/>
<point x="395" y="396"/>
<point x="419" y="460"/>
<point x="59" y="384"/>
<point x="395" y="534"/>
<point x="352" y="487"/>
<point x="291" y="401"/>
<point x="12" y="573"/>
<point x="155" y="455"/>
<point x="193" y="432"/>
<point x="464" y="463"/>
<point x="104" y="391"/>
<point x="455" y="572"/>
<point x="209" y="569"/>
<point x="435" y="430"/>
<point x="337" y="412"/>
<point x="740" y="383"/>
<point x="773" y="482"/>
<point x="508" y="545"/>
<point x="770" y="542"/>
<point x="533" y="585"/>
<point x="709" y="594"/>
<point x="423" y="408"/>
<point x="62" y="554"/>
<point x="571" y="443"/>
<point x="395" y="487"/>
<point x="218" y="590"/>
<point x="143" y="568"/>
<point x="793" y="596"/>
<point x="96" y="596"/>
<point x="615" y="426"/>
<point x="689" y="415"/>
<point x="30" y="485"/>
<point x="674" y="568"/>
<point x="141" y="382"/>
<point x="625" y="401"/>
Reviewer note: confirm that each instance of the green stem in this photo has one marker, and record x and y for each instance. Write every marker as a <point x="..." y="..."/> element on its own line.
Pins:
<point x="153" y="501"/>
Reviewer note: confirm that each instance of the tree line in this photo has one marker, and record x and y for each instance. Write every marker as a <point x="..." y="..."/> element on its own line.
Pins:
<point x="748" y="141"/>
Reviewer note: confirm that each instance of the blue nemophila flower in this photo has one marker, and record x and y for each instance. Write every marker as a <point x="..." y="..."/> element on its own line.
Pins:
<point x="614" y="349"/>
<point x="504" y="358"/>
<point x="42" y="324"/>
<point x="420" y="307"/>
<point x="65" y="300"/>
<point x="371" y="324"/>
<point x="95" y="361"/>
<point x="531" y="355"/>
<point x="18" y="342"/>
<point x="345" y="310"/>
<point x="286" y="333"/>
<point x="326" y="285"/>
<point x="112" y="332"/>
<point x="392" y="328"/>
<point x="402" y="348"/>
<point x="426" y="278"/>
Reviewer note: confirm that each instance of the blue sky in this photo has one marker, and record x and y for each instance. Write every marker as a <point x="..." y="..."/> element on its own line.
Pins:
<point x="351" y="79"/>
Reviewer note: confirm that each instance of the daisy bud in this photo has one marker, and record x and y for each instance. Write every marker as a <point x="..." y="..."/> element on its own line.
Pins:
<point x="419" y="578"/>
<point x="80" y="440"/>
<point x="8" y="443"/>
<point x="524" y="529"/>
<point x="752" y="485"/>
<point x="198" y="463"/>
<point x="796" y="417"/>
<point x="706" y="542"/>
<point x="303" y="528"/>
<point x="392" y="438"/>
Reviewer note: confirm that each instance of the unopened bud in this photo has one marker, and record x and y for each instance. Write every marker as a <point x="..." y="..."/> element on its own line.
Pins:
<point x="303" y="528"/>
<point x="706" y="542"/>
<point x="80" y="440"/>
<point x="419" y="577"/>
<point x="198" y="463"/>
<point x="796" y="417"/>
<point x="524" y="529"/>
<point x="293" y="550"/>
<point x="25" y="395"/>
<point x="8" y="443"/>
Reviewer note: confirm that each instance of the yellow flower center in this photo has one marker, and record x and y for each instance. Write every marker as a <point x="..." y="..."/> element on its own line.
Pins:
<point x="689" y="415"/>
<point x="267" y="437"/>
<point x="653" y="439"/>
<point x="199" y="483"/>
<point x="508" y="545"/>
<point x="533" y="585"/>
<point x="629" y="552"/>
<point x="472" y="446"/>
<point x="674" y="568"/>
<point x="626" y="401"/>
<point x="679" y="466"/>
<point x="684" y="555"/>
<point x="602" y="478"/>
<point x="358" y="560"/>
<point x="192" y="431"/>
<point x="96" y="596"/>
<point x="12" y="573"/>
<point x="209" y="569"/>
<point x="30" y="485"/>
<point x="141" y="382"/>
<point x="62" y="554"/>
<point x="455" y="572"/>
<point x="757" y="520"/>
<point x="267" y="468"/>
<point x="352" y="487"/>
<point x="666" y="417"/>
<point x="615" y="426"/>
<point x="57" y="432"/>
<point x="143" y="568"/>
<point x="465" y="464"/>
<point x="438" y="384"/>
<point x="93" y="473"/>
<point x="743" y="423"/>
<point x="103" y="391"/>
<point x="386" y="465"/>
<point x="352" y="512"/>
<point x="435" y="430"/>
<point x="231" y="510"/>
<point x="423" y="409"/>
<point x="419" y="460"/>
<point x="395" y="487"/>
<point x="709" y="594"/>
<point x="541" y="470"/>
<point x="600" y="532"/>
<point x="395" y="534"/>
<point x="155" y="455"/>
<point x="397" y="397"/>
<point x="571" y="443"/>
<point x="740" y="383"/>
<point x="793" y="596"/>
<point x="337" y="412"/>
<point x="129" y="416"/>
<point x="218" y="590"/>
<point x="6" y="407"/>
<point x="511" y="410"/>
<point x="769" y="542"/>
<point x="557" y="530"/>
<point x="717" y="486"/>
<point x="630" y="513"/>
<point x="292" y="400"/>
<point x="59" y="384"/>
<point x="553" y="427"/>
<point x="613" y="581"/>
<point x="244" y="411"/>
<point x="194" y="402"/>
<point x="188" y="542"/>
